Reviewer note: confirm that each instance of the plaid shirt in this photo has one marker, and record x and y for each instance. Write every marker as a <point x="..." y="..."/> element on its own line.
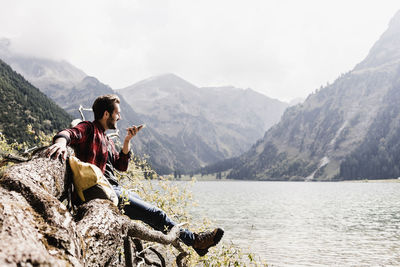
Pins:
<point x="90" y="143"/>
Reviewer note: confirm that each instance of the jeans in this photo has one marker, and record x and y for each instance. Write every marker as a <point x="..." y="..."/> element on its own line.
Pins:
<point x="138" y="209"/>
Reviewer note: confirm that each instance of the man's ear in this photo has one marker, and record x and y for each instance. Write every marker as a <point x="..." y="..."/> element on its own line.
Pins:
<point x="106" y="114"/>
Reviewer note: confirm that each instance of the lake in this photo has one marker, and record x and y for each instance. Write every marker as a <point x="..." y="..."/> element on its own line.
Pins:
<point x="307" y="224"/>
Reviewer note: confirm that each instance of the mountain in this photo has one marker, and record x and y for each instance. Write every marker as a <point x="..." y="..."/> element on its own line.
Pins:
<point x="346" y="130"/>
<point x="49" y="75"/>
<point x="187" y="127"/>
<point x="70" y="87"/>
<point x="23" y="104"/>
<point x="378" y="156"/>
<point x="210" y="123"/>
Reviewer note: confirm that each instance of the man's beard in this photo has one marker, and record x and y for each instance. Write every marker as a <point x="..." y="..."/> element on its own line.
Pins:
<point x="111" y="124"/>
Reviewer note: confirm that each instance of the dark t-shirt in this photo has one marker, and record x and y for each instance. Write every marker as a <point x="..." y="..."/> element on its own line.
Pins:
<point x="109" y="172"/>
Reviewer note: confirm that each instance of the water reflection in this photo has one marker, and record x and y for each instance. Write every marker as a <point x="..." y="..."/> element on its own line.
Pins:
<point x="308" y="224"/>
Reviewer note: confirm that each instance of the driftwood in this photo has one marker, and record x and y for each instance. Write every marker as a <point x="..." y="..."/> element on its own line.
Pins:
<point x="36" y="229"/>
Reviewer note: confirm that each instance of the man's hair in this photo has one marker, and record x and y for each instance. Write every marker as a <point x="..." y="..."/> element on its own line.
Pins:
<point x="104" y="103"/>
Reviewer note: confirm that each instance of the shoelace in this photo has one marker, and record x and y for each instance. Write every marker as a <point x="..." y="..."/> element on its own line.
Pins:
<point x="204" y="236"/>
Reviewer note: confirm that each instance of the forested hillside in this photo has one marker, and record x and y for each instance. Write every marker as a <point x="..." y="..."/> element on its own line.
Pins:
<point x="23" y="104"/>
<point x="379" y="154"/>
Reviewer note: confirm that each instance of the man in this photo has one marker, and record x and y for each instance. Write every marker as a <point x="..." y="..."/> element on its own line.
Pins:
<point x="91" y="144"/>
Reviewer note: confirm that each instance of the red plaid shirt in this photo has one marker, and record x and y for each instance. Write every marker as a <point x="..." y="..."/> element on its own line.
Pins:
<point x="90" y="143"/>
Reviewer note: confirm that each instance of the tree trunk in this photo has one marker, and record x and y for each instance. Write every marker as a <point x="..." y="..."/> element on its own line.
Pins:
<point x="36" y="229"/>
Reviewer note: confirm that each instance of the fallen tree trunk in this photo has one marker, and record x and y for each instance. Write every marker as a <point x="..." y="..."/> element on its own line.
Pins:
<point x="36" y="229"/>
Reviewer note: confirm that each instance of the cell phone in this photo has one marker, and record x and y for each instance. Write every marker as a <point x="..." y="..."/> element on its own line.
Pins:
<point x="138" y="127"/>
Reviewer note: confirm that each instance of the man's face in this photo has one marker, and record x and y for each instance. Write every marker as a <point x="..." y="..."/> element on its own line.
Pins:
<point x="115" y="116"/>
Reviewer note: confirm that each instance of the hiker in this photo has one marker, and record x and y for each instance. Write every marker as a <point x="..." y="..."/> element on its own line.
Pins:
<point x="91" y="145"/>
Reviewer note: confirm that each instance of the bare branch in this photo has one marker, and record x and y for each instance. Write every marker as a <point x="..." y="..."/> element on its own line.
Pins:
<point x="142" y="232"/>
<point x="12" y="158"/>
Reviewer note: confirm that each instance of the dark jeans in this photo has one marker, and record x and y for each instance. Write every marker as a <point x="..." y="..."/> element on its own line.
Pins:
<point x="138" y="209"/>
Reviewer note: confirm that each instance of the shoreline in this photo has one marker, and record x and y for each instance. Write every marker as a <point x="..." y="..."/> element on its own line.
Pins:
<point x="209" y="178"/>
<point x="372" y="181"/>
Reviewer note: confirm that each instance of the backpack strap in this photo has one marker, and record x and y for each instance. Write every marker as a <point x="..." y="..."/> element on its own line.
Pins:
<point x="67" y="194"/>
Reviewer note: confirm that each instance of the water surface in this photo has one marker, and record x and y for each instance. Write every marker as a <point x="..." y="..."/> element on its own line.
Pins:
<point x="307" y="224"/>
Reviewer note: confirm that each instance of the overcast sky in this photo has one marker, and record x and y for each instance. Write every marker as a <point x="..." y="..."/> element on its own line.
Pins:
<point x="282" y="48"/>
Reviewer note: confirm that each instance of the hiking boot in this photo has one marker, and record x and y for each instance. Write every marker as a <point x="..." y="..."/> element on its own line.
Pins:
<point x="204" y="240"/>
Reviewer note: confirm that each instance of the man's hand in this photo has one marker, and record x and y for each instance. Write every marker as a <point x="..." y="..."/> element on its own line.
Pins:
<point x="57" y="149"/>
<point x="132" y="131"/>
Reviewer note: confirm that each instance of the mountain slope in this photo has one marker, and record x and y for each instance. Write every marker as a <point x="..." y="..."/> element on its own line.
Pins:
<point x="197" y="128"/>
<point x="23" y="104"/>
<point x="378" y="156"/>
<point x="313" y="139"/>
<point x="210" y="124"/>
<point x="50" y="76"/>
<point x="70" y="87"/>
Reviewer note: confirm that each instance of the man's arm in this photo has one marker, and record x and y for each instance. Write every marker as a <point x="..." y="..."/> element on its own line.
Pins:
<point x="59" y="146"/>
<point x="75" y="135"/>
<point x="121" y="159"/>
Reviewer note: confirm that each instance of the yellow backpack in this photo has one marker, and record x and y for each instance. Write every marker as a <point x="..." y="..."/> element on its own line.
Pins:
<point x="89" y="181"/>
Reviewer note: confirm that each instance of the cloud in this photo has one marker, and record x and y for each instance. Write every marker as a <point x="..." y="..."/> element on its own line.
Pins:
<point x="283" y="48"/>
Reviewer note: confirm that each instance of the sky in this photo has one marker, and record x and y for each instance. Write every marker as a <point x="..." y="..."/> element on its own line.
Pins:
<point x="284" y="49"/>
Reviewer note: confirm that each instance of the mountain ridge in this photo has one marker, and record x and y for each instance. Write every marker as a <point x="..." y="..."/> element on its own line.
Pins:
<point x="313" y="139"/>
<point x="226" y="120"/>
